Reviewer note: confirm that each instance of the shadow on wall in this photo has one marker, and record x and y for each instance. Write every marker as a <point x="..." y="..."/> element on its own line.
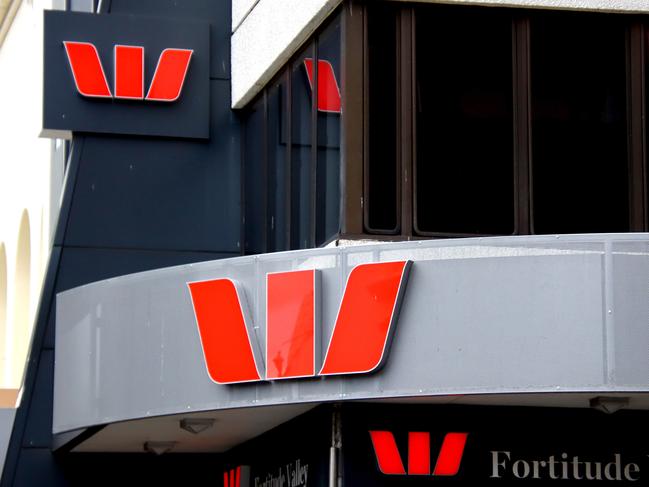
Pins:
<point x="20" y="328"/>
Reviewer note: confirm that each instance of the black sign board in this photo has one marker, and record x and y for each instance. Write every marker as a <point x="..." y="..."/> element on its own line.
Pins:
<point x="295" y="454"/>
<point x="66" y="104"/>
<point x="426" y="446"/>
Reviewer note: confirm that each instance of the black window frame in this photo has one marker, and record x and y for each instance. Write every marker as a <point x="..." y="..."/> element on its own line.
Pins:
<point x="354" y="150"/>
<point x="355" y="46"/>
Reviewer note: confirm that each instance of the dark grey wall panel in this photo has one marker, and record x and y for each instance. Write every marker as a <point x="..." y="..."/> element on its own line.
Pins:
<point x="216" y="12"/>
<point x="82" y="265"/>
<point x="18" y="458"/>
<point x="69" y="183"/>
<point x="161" y="194"/>
<point x="38" y="428"/>
<point x="36" y="467"/>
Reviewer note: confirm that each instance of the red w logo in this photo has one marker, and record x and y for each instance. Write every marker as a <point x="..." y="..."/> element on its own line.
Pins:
<point x="389" y="459"/>
<point x="359" y="342"/>
<point x="237" y="477"/>
<point x="90" y="78"/>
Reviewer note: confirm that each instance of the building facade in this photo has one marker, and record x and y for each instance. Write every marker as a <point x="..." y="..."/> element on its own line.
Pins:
<point x="341" y="243"/>
<point x="31" y="171"/>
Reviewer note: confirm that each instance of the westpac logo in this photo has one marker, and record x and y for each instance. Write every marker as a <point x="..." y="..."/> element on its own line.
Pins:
<point x="128" y="83"/>
<point x="360" y="339"/>
<point x="419" y="455"/>
<point x="237" y="477"/>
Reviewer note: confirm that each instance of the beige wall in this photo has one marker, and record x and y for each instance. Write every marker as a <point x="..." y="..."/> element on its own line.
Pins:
<point x="26" y="190"/>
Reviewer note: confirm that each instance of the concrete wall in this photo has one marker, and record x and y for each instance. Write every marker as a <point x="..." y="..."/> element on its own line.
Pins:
<point x="30" y="182"/>
<point x="28" y="197"/>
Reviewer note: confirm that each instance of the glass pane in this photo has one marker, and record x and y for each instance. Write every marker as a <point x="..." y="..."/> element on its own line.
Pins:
<point x="277" y="172"/>
<point x="329" y="127"/>
<point x="382" y="177"/>
<point x="301" y="152"/>
<point x="464" y="154"/>
<point x="255" y="192"/>
<point x="579" y="146"/>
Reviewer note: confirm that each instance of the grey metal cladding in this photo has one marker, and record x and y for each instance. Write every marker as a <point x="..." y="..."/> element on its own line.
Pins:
<point x="487" y="315"/>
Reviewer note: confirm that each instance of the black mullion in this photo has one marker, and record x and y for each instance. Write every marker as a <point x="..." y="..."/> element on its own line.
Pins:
<point x="370" y="142"/>
<point x="366" y="124"/>
<point x="354" y="130"/>
<point x="636" y="128"/>
<point x="407" y="139"/>
<point x="398" y="131"/>
<point x="314" y="146"/>
<point x="522" y="132"/>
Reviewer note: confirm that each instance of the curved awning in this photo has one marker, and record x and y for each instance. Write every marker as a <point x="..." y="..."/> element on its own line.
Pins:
<point x="508" y="320"/>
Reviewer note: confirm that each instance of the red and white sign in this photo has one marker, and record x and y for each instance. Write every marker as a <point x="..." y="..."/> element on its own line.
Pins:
<point x="90" y="78"/>
<point x="360" y="339"/>
<point x="419" y="459"/>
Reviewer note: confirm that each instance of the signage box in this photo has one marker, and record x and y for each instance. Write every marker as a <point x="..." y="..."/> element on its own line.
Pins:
<point x="504" y="446"/>
<point x="66" y="110"/>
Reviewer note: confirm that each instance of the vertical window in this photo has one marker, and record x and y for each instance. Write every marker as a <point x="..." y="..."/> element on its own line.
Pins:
<point x="464" y="175"/>
<point x="579" y="124"/>
<point x="329" y="134"/>
<point x="519" y="121"/>
<point x="254" y="175"/>
<point x="474" y="121"/>
<point x="382" y="172"/>
<point x="301" y="136"/>
<point x="291" y="151"/>
<point x="277" y="165"/>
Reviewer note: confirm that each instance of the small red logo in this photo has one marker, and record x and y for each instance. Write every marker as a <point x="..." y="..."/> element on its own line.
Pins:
<point x="360" y="339"/>
<point x="237" y="477"/>
<point x="419" y="460"/>
<point x="90" y="78"/>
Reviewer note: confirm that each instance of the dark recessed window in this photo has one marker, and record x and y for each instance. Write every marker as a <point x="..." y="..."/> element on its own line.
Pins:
<point x="292" y="161"/>
<point x="488" y="121"/>
<point x="329" y="134"/>
<point x="254" y="175"/>
<point x="464" y="175"/>
<point x="463" y="120"/>
<point x="277" y="166"/>
<point x="301" y="132"/>
<point x="579" y="124"/>
<point x="382" y="173"/>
